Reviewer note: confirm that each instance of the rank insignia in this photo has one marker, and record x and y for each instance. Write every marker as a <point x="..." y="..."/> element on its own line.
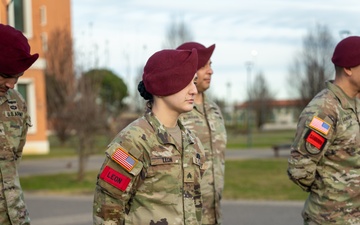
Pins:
<point x="116" y="179"/>
<point x="124" y="159"/>
<point x="189" y="175"/>
<point x="320" y="125"/>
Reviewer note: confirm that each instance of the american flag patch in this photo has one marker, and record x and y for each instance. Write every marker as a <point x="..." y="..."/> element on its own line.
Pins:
<point x="320" y="125"/>
<point x="124" y="159"/>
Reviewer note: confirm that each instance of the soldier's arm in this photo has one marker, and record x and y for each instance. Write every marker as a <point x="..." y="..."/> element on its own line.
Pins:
<point x="117" y="183"/>
<point x="308" y="148"/>
<point x="26" y="123"/>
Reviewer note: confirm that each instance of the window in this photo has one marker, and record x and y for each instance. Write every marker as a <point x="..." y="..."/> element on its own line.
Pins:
<point x="20" y="16"/>
<point x="44" y="41"/>
<point x="43" y="18"/>
<point x="19" y="21"/>
<point x="26" y="88"/>
<point x="22" y="89"/>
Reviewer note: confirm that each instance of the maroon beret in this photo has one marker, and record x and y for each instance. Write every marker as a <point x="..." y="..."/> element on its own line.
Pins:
<point x="169" y="71"/>
<point x="347" y="52"/>
<point x="15" y="54"/>
<point x="204" y="53"/>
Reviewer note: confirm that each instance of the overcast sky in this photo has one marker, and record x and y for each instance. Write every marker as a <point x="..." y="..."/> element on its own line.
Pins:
<point x="127" y="32"/>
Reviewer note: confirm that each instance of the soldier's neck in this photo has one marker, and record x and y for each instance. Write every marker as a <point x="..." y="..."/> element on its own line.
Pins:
<point x="199" y="98"/>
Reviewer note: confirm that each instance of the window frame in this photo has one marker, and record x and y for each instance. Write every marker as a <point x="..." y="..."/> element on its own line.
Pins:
<point x="28" y="29"/>
<point x="30" y="101"/>
<point x="43" y="15"/>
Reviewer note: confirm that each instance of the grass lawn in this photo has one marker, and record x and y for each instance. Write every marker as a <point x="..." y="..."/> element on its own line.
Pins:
<point x="263" y="179"/>
<point x="258" y="139"/>
<point x="64" y="183"/>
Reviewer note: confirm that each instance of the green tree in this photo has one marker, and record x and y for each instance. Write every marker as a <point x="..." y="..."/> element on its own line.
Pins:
<point x="112" y="91"/>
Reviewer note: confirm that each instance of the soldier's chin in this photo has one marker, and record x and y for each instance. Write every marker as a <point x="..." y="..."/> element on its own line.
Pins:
<point x="2" y="93"/>
<point x="188" y="108"/>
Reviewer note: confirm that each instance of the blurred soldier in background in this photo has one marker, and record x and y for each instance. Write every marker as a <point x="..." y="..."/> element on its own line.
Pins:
<point x="15" y="58"/>
<point x="207" y="123"/>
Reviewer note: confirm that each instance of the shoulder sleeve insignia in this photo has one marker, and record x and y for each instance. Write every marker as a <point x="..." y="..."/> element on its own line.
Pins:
<point x="316" y="140"/>
<point x="124" y="159"/>
<point x="115" y="178"/>
<point x="320" y="125"/>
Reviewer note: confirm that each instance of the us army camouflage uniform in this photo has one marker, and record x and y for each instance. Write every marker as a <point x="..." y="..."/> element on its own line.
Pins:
<point x="14" y="122"/>
<point x="330" y="171"/>
<point x="162" y="187"/>
<point x="207" y="123"/>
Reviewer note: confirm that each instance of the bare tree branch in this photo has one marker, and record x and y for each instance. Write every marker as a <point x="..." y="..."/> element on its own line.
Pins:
<point x="312" y="66"/>
<point x="260" y="97"/>
<point x="177" y="33"/>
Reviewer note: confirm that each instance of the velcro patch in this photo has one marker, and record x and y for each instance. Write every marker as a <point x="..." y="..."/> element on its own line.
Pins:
<point x="320" y="125"/>
<point x="315" y="139"/>
<point x="13" y="113"/>
<point x="196" y="160"/>
<point x="116" y="179"/>
<point x="124" y="159"/>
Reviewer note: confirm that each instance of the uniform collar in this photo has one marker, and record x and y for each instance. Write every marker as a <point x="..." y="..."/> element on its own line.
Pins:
<point x="162" y="135"/>
<point x="5" y="97"/>
<point x="345" y="101"/>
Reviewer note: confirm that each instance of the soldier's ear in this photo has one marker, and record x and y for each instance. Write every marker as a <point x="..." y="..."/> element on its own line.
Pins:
<point x="348" y="71"/>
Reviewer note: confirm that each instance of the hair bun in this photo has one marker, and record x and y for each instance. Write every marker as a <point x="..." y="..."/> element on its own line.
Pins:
<point x="143" y="92"/>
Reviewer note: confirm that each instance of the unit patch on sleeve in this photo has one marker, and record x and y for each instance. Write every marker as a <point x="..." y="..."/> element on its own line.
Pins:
<point x="124" y="159"/>
<point x="320" y="125"/>
<point x="316" y="140"/>
<point x="116" y="179"/>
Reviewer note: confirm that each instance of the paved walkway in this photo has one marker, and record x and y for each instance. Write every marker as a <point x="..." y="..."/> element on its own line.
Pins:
<point x="47" y="209"/>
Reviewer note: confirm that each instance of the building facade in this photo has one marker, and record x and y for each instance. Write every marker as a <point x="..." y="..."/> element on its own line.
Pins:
<point x="36" y="19"/>
<point x="277" y="114"/>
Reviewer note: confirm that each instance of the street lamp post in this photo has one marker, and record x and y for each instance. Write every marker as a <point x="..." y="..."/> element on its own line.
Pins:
<point x="249" y="66"/>
<point x="344" y="34"/>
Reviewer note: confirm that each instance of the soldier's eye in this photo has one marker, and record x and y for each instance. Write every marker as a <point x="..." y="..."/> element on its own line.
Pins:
<point x="5" y="75"/>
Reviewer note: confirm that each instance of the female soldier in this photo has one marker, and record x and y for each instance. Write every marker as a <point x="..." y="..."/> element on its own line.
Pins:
<point x="151" y="173"/>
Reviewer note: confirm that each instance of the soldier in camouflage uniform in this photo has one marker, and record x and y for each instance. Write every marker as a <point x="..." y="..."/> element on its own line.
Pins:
<point x="325" y="154"/>
<point x="15" y="58"/>
<point x="152" y="169"/>
<point x="206" y="122"/>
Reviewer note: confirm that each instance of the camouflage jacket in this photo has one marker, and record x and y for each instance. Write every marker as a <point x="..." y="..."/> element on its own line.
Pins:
<point x="325" y="158"/>
<point x="147" y="178"/>
<point x="14" y="122"/>
<point x="208" y="126"/>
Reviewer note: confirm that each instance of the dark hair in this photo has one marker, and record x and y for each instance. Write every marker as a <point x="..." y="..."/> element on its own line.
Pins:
<point x="145" y="94"/>
<point x="338" y="70"/>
